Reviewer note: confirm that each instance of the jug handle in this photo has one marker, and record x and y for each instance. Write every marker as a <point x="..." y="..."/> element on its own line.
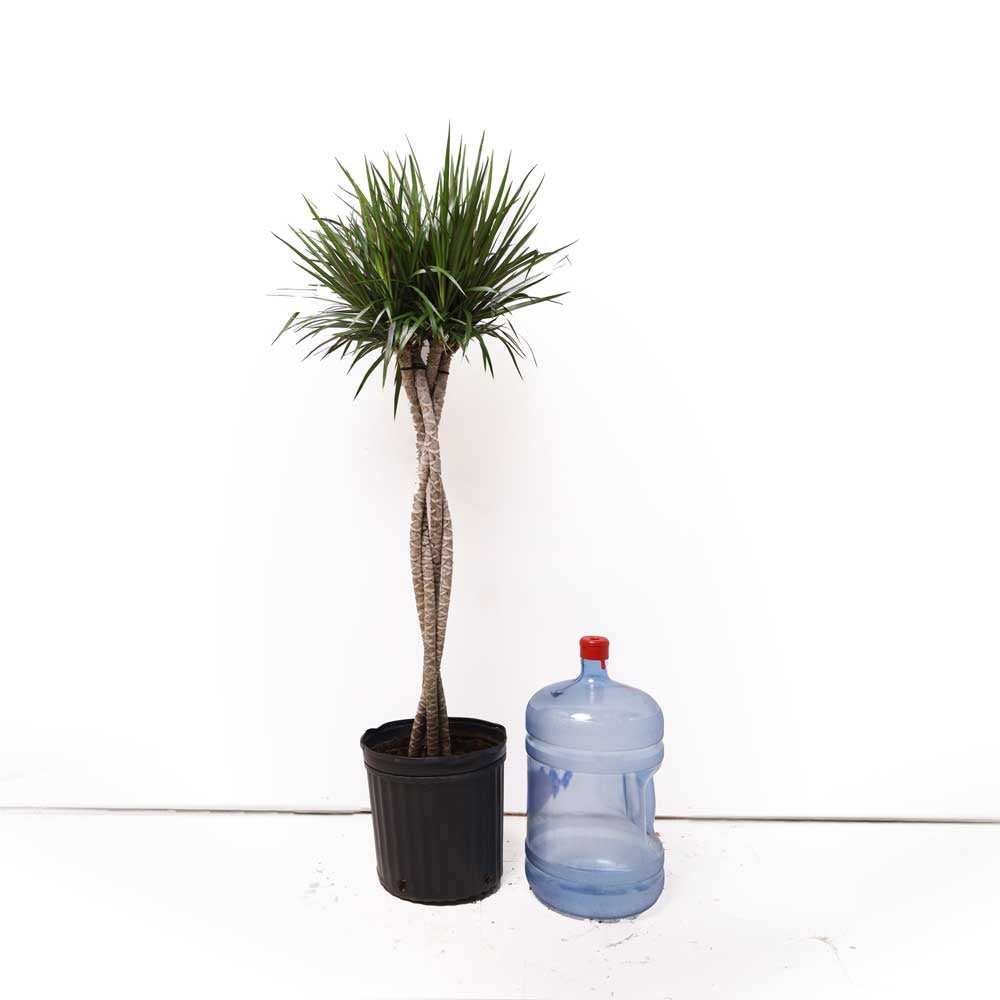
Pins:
<point x="649" y="802"/>
<point x="640" y="798"/>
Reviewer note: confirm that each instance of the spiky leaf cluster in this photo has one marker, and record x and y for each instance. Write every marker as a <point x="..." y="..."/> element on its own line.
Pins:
<point x="405" y="266"/>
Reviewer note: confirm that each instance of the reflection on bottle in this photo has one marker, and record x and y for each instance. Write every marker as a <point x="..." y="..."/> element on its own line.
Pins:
<point x="545" y="783"/>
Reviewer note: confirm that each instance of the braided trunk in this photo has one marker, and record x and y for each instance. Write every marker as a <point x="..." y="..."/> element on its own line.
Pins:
<point x="431" y="552"/>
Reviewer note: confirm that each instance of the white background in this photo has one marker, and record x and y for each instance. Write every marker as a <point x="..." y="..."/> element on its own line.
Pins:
<point x="759" y="450"/>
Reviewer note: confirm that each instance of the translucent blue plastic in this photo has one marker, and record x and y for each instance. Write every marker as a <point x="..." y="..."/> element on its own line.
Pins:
<point x="593" y="747"/>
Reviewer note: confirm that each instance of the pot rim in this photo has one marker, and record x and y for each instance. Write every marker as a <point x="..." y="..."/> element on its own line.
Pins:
<point x="431" y="767"/>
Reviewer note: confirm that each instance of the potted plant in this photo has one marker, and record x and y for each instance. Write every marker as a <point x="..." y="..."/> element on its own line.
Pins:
<point x="413" y="276"/>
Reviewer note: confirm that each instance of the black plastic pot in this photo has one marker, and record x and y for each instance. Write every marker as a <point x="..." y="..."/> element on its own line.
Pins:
<point x="438" y="820"/>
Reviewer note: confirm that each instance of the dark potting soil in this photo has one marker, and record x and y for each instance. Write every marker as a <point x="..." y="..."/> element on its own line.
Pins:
<point x="460" y="743"/>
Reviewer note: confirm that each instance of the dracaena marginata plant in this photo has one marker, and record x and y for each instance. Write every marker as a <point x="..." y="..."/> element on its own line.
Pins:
<point x="412" y="276"/>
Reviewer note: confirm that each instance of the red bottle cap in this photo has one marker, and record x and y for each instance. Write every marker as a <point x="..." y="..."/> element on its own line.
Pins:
<point x="594" y="647"/>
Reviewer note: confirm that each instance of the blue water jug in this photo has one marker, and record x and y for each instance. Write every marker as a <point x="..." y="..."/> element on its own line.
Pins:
<point x="593" y="746"/>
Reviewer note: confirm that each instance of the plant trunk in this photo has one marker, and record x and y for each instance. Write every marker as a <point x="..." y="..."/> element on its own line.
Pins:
<point x="431" y="544"/>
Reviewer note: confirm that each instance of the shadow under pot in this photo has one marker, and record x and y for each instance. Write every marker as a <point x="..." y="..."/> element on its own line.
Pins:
<point x="438" y="820"/>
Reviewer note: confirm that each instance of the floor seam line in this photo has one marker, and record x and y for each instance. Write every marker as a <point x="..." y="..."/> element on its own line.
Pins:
<point x="694" y="818"/>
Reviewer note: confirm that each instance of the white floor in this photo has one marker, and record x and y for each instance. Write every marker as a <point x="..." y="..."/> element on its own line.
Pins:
<point x="283" y="906"/>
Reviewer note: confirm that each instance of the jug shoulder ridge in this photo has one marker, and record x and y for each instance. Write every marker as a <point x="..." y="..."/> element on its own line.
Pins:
<point x="596" y="714"/>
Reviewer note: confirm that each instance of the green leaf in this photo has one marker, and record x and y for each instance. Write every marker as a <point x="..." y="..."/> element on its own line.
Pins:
<point x="291" y="319"/>
<point x="487" y="360"/>
<point x="375" y="365"/>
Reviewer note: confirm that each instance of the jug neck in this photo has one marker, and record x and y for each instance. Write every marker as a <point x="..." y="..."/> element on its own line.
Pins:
<point x="593" y="668"/>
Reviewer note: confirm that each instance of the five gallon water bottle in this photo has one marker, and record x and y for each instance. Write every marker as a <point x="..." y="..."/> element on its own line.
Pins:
<point x="593" y="746"/>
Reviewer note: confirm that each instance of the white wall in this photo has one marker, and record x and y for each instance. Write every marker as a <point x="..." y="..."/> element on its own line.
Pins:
<point x="759" y="451"/>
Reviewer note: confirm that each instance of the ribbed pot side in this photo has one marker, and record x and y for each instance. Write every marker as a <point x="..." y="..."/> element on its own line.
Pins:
<point x="438" y="820"/>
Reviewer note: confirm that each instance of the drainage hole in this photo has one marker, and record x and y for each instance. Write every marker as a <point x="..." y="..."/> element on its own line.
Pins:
<point x="402" y="885"/>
